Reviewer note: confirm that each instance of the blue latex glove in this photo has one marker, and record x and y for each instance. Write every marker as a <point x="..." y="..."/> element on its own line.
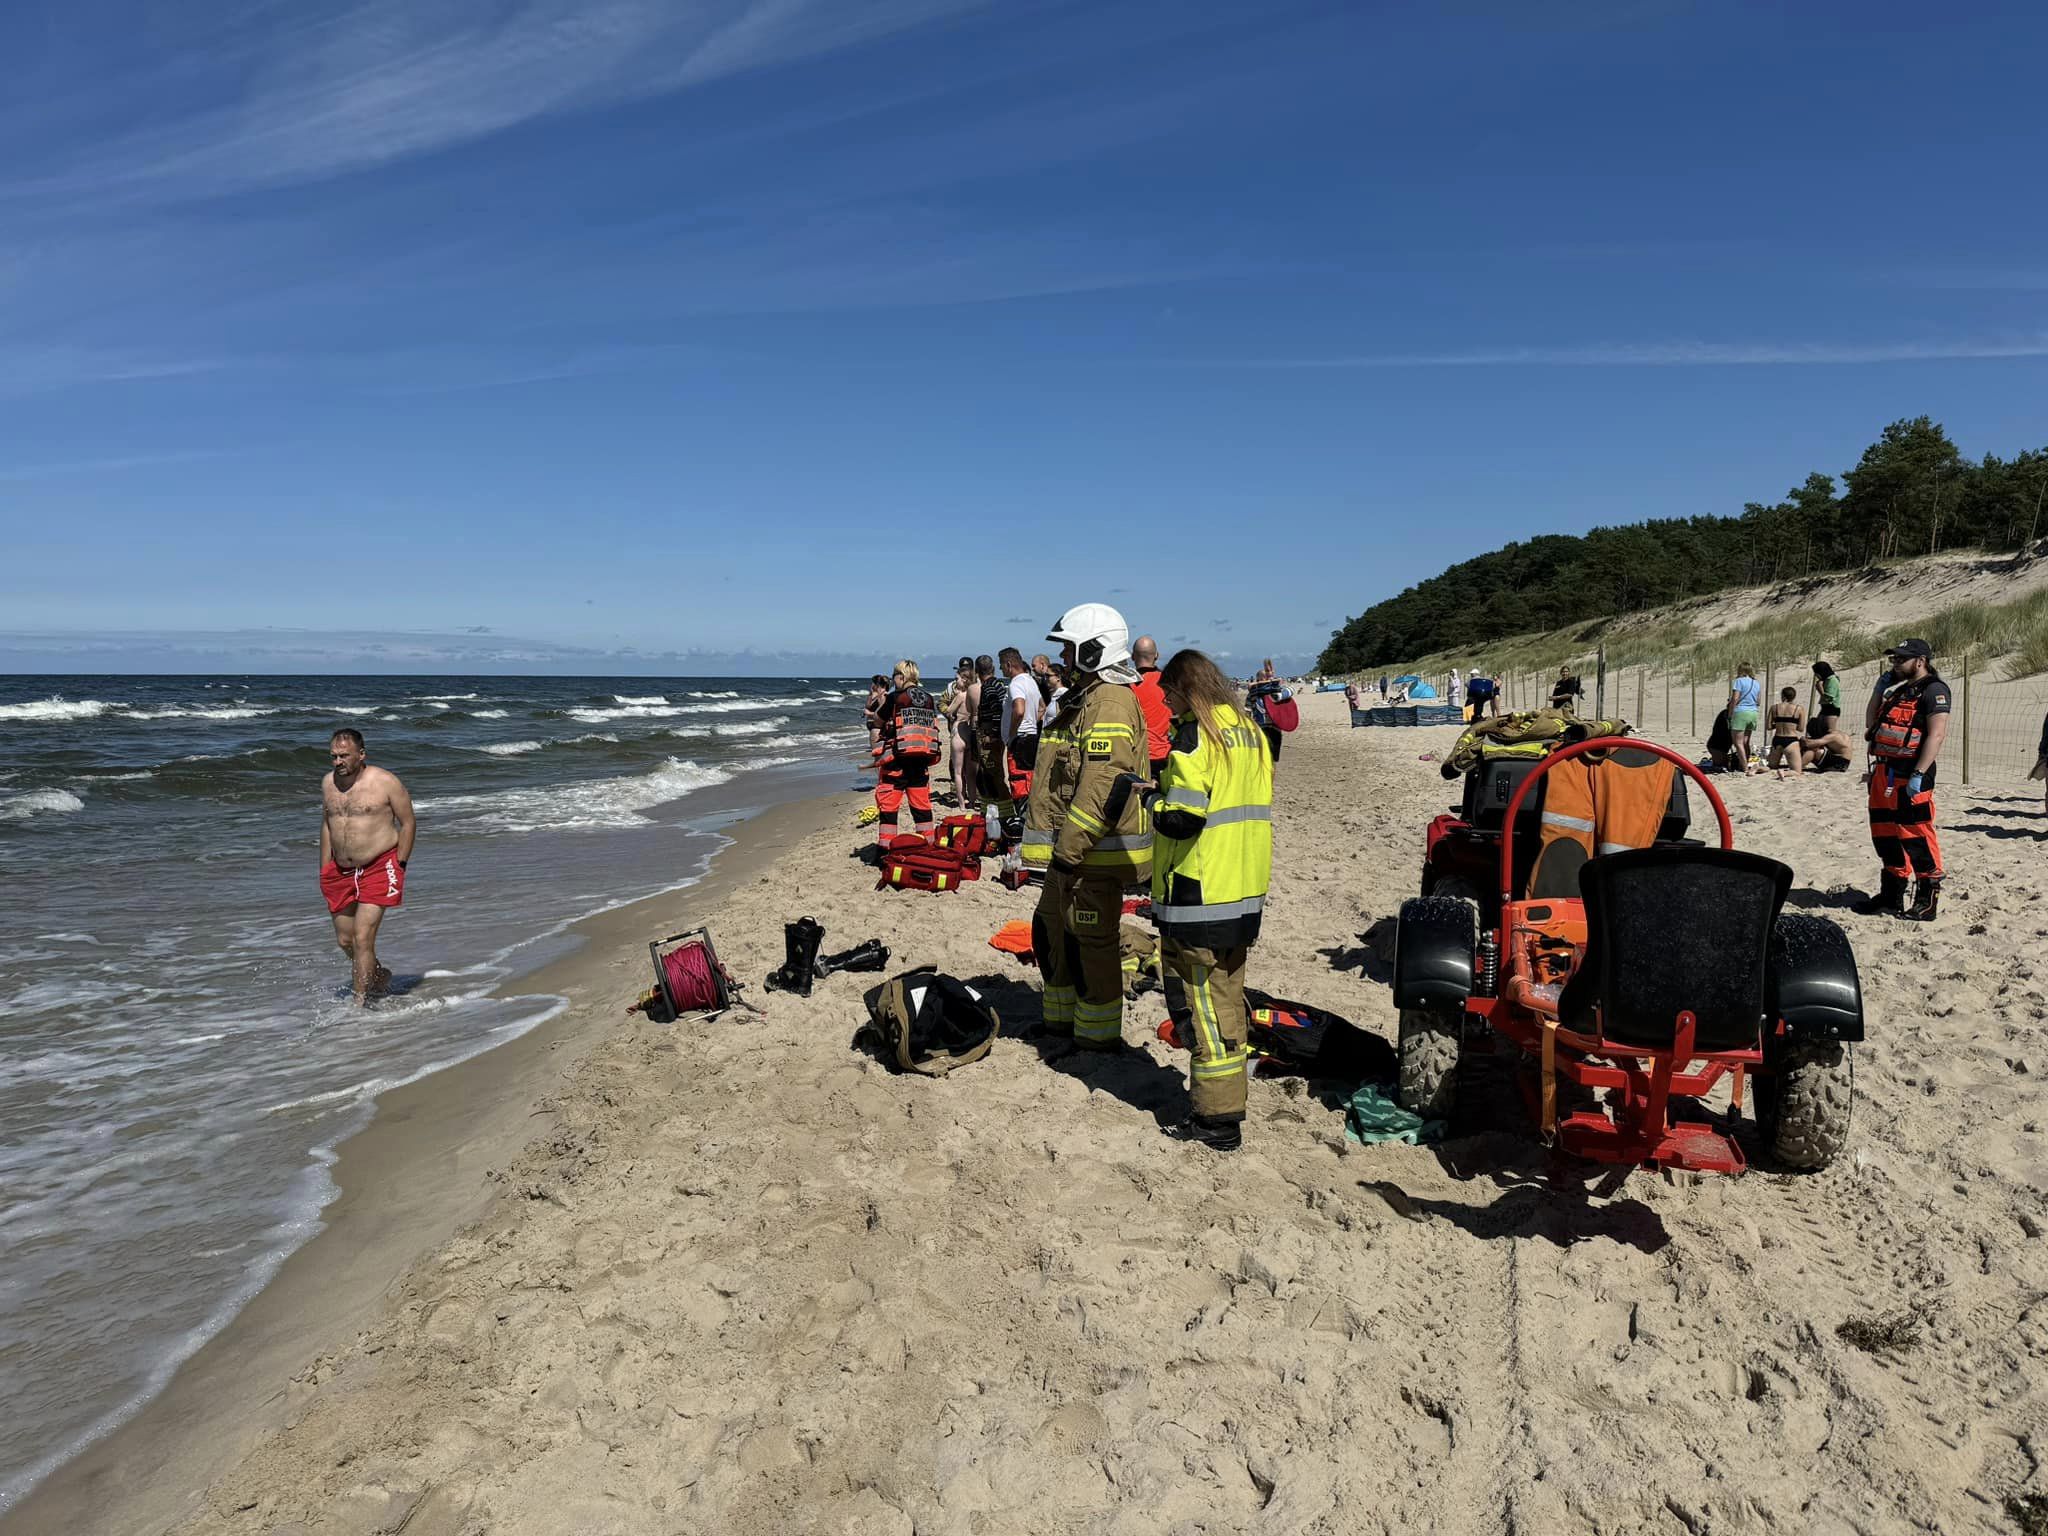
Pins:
<point x="1913" y="784"/>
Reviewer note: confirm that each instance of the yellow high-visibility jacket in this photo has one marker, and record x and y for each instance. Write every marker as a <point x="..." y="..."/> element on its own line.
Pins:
<point x="1213" y="818"/>
<point x="1085" y="815"/>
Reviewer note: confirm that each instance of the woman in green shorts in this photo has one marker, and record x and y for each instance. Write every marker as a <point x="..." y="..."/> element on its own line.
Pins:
<point x="1745" y="708"/>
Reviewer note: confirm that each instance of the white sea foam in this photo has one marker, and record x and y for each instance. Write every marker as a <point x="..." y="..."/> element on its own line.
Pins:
<point x="56" y="709"/>
<point x="751" y="727"/>
<point x="576" y="807"/>
<point x="642" y="698"/>
<point x="223" y="712"/>
<point x="727" y="693"/>
<point x="39" y="802"/>
<point x="487" y="714"/>
<point x="67" y="938"/>
<point x="437" y="698"/>
<point x="669" y="711"/>
<point x="114" y="778"/>
<point x="521" y="748"/>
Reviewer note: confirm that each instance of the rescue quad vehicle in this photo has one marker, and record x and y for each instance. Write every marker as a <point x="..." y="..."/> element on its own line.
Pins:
<point x="1633" y="972"/>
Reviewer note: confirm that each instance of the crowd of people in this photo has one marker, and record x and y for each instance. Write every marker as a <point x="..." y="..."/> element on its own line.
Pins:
<point x="1102" y="771"/>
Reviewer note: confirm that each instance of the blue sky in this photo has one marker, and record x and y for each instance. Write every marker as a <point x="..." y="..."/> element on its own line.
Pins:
<point x="781" y="328"/>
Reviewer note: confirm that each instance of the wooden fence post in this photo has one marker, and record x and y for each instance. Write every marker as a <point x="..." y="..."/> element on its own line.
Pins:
<point x="1966" y="717"/>
<point x="1641" y="673"/>
<point x="1664" y="672"/>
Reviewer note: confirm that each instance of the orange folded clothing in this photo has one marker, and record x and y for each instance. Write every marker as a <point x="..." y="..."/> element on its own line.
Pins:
<point x="1013" y="938"/>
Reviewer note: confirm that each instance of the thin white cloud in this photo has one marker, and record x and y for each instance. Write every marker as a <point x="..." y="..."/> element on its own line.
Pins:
<point x="47" y="471"/>
<point x="344" y="87"/>
<point x="1683" y="354"/>
<point x="36" y="370"/>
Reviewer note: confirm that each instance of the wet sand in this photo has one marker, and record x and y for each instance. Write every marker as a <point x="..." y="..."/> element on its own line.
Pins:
<point x="432" y="1159"/>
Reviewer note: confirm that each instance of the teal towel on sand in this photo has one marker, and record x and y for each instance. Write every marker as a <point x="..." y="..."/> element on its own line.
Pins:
<point x="1372" y="1115"/>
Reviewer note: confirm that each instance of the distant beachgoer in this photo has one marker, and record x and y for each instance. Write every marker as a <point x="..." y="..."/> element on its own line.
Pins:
<point x="871" y="712"/>
<point x="1158" y="718"/>
<point x="1745" y="710"/>
<point x="1566" y="691"/>
<point x="1828" y="753"/>
<point x="1483" y="694"/>
<point x="1720" y="756"/>
<point x="1264" y="693"/>
<point x="960" y="712"/>
<point x="1383" y="687"/>
<point x="1824" y="706"/>
<point x="2041" y="762"/>
<point x="366" y="835"/>
<point x="1788" y="730"/>
<point x="1041" y="673"/>
<point x="992" y="706"/>
<point x="1452" y="691"/>
<point x="1023" y="706"/>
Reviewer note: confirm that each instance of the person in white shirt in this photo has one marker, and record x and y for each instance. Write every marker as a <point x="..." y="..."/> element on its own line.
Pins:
<point x="1021" y="715"/>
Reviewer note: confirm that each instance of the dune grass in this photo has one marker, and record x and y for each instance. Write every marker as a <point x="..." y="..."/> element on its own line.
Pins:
<point x="2017" y="630"/>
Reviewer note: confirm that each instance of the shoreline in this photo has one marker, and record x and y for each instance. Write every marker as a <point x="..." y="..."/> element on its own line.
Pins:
<point x="425" y="1165"/>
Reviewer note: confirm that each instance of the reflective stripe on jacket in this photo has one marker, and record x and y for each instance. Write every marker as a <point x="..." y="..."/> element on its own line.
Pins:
<point x="1591" y="807"/>
<point x="1084" y="811"/>
<point x="1213" y="820"/>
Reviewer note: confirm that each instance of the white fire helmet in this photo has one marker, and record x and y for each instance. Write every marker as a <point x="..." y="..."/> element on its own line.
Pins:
<point x="1102" y="641"/>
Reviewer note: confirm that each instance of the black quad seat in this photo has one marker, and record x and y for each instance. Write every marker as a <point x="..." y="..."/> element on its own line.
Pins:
<point x="1671" y="929"/>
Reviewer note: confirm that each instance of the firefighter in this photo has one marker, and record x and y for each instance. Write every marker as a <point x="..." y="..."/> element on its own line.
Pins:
<point x="1213" y="817"/>
<point x="1085" y="827"/>
<point x="1908" y="721"/>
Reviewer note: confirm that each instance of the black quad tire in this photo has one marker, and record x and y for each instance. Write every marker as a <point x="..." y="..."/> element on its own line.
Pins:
<point x="1803" y="1108"/>
<point x="1429" y="1048"/>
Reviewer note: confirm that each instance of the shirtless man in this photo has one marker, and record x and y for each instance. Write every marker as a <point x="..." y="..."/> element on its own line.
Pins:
<point x="366" y="834"/>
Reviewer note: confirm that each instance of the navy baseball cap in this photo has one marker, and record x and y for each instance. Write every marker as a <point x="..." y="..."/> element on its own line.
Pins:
<point x="1910" y="648"/>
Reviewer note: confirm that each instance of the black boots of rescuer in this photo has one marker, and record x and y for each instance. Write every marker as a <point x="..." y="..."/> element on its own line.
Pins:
<point x="1890" y="897"/>
<point x="1890" y="900"/>
<point x="868" y="955"/>
<point x="1216" y="1135"/>
<point x="800" y="941"/>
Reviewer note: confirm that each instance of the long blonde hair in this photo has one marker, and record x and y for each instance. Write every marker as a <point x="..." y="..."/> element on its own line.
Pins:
<point x="909" y="669"/>
<point x="1197" y="679"/>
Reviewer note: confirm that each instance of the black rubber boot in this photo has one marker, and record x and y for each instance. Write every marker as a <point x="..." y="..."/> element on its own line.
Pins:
<point x="800" y="941"/>
<point x="1216" y="1135"/>
<point x="782" y="979"/>
<point x="870" y="955"/>
<point x="810" y="938"/>
<point x="1890" y="898"/>
<point x="1926" y="898"/>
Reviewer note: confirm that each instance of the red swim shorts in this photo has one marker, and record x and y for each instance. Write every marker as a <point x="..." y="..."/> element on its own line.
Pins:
<point x="381" y="882"/>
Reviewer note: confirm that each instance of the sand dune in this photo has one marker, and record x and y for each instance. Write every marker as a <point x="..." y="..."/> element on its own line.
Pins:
<point x="748" y="1281"/>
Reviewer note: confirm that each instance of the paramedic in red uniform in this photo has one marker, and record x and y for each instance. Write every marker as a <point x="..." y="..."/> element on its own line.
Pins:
<point x="1908" y="720"/>
<point x="366" y="833"/>
<point x="907" y="720"/>
<point x="1152" y="700"/>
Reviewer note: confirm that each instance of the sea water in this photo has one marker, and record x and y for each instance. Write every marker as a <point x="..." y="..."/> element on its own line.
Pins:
<point x="179" y="1054"/>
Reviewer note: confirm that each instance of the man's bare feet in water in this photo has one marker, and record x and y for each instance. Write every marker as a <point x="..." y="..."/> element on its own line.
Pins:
<point x="380" y="982"/>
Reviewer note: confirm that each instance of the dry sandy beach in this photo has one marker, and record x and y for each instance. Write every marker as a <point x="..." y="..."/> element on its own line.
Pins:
<point x="736" y="1277"/>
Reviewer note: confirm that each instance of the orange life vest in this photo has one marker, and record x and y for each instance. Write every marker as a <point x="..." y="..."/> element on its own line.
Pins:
<point x="1897" y="735"/>
<point x="1591" y="807"/>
